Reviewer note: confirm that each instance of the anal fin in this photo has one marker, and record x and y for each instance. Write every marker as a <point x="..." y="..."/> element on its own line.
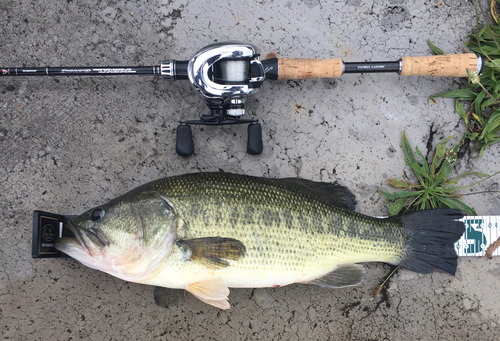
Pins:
<point x="214" y="292"/>
<point x="342" y="276"/>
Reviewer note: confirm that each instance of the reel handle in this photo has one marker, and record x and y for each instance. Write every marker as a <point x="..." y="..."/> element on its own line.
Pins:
<point x="452" y="65"/>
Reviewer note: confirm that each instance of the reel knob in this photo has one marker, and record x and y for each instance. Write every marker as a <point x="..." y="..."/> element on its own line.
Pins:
<point x="184" y="145"/>
<point x="254" y="142"/>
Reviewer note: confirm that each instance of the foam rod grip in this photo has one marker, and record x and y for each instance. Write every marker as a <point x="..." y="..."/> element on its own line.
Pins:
<point x="450" y="65"/>
<point x="297" y="68"/>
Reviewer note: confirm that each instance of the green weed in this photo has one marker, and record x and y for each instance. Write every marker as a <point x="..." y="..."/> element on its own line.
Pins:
<point x="434" y="188"/>
<point x="482" y="95"/>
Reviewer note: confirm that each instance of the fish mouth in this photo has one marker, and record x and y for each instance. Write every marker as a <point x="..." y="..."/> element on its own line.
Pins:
<point x="78" y="249"/>
<point x="70" y="245"/>
<point x="86" y="242"/>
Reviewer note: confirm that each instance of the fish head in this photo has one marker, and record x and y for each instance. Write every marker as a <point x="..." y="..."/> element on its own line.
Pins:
<point x="126" y="237"/>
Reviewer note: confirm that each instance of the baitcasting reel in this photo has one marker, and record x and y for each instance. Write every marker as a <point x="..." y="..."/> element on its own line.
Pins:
<point x="226" y="73"/>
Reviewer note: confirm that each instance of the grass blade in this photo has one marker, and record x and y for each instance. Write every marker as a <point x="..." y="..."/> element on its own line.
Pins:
<point x="464" y="94"/>
<point x="398" y="206"/>
<point x="434" y="48"/>
<point x="460" y="109"/>
<point x="407" y="149"/>
<point x="390" y="196"/>
<point x="425" y="165"/>
<point x="481" y="175"/>
<point x="457" y="204"/>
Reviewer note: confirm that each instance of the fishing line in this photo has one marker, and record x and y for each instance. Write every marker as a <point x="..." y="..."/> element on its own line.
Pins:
<point x="235" y="70"/>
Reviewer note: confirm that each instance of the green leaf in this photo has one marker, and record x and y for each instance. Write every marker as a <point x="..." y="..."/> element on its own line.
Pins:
<point x="397" y="206"/>
<point x="496" y="90"/>
<point x="424" y="201"/>
<point x="492" y="126"/>
<point x="408" y="193"/>
<point x="481" y="151"/>
<point x="398" y="183"/>
<point x="477" y="102"/>
<point x="390" y="196"/>
<point x="407" y="149"/>
<point x="494" y="64"/>
<point x="486" y="103"/>
<point x="457" y="204"/>
<point x="460" y="109"/>
<point x="434" y="48"/>
<point x="433" y="202"/>
<point x="464" y="94"/>
<point x="419" y="172"/>
<point x="439" y="153"/>
<point x="424" y="161"/>
<point x="484" y="49"/>
<point x="494" y="121"/>
<point x="444" y="173"/>
<point x="481" y="175"/>
<point x="473" y="136"/>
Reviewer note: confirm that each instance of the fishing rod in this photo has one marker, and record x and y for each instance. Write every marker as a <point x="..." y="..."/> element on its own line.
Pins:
<point x="226" y="73"/>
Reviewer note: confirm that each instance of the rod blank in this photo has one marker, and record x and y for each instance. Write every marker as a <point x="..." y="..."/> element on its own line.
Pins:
<point x="81" y="71"/>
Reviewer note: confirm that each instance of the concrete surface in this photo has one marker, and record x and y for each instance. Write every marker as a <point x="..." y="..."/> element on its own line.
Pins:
<point x="68" y="144"/>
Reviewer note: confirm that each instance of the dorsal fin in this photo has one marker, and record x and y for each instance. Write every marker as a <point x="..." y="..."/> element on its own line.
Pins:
<point x="335" y="195"/>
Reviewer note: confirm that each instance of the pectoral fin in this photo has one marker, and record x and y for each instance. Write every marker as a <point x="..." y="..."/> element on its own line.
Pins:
<point x="212" y="251"/>
<point x="164" y="297"/>
<point x="214" y="292"/>
<point x="342" y="276"/>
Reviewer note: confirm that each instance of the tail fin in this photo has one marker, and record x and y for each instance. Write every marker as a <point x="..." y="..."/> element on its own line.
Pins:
<point x="431" y="237"/>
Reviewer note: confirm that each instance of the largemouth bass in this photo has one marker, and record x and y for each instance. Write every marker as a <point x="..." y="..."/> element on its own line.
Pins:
<point x="206" y="232"/>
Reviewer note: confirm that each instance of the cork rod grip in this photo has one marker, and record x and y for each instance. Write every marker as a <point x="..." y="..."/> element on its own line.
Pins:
<point x="297" y="68"/>
<point x="451" y="65"/>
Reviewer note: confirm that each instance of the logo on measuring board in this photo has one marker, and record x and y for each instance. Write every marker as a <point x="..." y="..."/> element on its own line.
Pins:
<point x="4" y="71"/>
<point x="473" y="241"/>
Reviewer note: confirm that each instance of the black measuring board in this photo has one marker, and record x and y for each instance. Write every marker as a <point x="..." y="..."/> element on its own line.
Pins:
<point x="47" y="227"/>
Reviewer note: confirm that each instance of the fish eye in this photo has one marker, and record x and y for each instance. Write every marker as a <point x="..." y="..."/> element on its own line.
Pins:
<point x="97" y="214"/>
